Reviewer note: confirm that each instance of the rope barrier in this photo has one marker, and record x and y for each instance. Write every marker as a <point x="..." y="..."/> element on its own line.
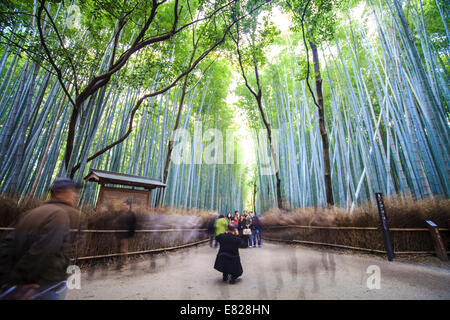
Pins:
<point x="130" y="253"/>
<point x="119" y="231"/>
<point x="137" y="231"/>
<point x="325" y="244"/>
<point x="354" y="228"/>
<point x="141" y="252"/>
<point x="270" y="239"/>
<point x="349" y="247"/>
<point x="268" y="228"/>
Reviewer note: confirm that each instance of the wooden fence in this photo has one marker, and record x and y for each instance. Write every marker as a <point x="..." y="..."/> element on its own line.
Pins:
<point x="104" y="244"/>
<point x="370" y="239"/>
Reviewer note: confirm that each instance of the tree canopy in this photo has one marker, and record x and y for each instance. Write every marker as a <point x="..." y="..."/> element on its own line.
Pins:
<point x="353" y="96"/>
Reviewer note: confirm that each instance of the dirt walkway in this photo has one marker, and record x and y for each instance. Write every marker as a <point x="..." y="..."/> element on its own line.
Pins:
<point x="275" y="271"/>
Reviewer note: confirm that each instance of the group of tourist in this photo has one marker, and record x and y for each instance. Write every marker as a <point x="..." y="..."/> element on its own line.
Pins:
<point x="249" y="227"/>
<point x="247" y="224"/>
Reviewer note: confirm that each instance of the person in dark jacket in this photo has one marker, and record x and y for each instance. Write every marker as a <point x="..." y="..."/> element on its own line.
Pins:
<point x="235" y="217"/>
<point x="126" y="221"/>
<point x="243" y="226"/>
<point x="256" y="229"/>
<point x="35" y="256"/>
<point x="228" y="261"/>
<point x="235" y="221"/>
<point x="212" y="232"/>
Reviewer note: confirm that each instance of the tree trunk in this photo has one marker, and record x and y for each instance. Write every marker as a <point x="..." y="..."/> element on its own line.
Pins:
<point x="22" y="133"/>
<point x="70" y="138"/>
<point x="322" y="128"/>
<point x="170" y="146"/>
<point x="272" y="149"/>
<point x="254" y="197"/>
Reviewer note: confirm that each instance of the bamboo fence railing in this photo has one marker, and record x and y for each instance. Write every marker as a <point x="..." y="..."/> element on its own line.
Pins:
<point x="139" y="243"/>
<point x="369" y="239"/>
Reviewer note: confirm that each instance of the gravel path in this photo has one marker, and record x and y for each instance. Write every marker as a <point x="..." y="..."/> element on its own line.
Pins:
<point x="275" y="271"/>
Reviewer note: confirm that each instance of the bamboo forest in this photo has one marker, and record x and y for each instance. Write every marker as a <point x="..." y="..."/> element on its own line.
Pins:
<point x="232" y="104"/>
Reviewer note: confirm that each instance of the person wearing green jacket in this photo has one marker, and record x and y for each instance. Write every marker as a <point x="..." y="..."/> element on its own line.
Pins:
<point x="221" y="225"/>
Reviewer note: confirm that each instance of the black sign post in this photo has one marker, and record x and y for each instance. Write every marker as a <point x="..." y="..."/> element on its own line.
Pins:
<point x="437" y="240"/>
<point x="384" y="226"/>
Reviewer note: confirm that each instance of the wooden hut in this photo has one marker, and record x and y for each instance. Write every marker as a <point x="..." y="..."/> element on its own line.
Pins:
<point x="118" y="187"/>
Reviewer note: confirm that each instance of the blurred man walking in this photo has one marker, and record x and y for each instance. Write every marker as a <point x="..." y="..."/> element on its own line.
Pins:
<point x="212" y="230"/>
<point x="35" y="256"/>
<point x="126" y="221"/>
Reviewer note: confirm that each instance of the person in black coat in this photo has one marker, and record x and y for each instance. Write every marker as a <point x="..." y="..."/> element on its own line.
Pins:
<point x="243" y="225"/>
<point x="212" y="230"/>
<point x="125" y="220"/>
<point x="228" y="261"/>
<point x="256" y="227"/>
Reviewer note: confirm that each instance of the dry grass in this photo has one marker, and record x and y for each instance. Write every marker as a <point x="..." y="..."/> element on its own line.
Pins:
<point x="94" y="244"/>
<point x="401" y="213"/>
<point x="10" y="210"/>
<point x="107" y="243"/>
<point x="159" y="218"/>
